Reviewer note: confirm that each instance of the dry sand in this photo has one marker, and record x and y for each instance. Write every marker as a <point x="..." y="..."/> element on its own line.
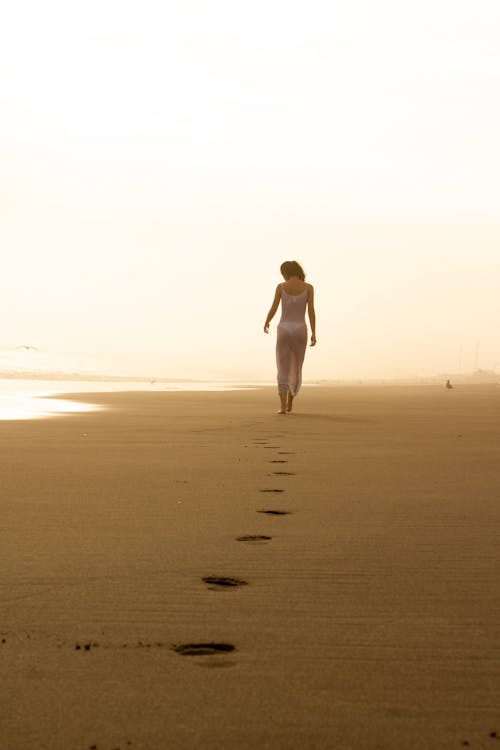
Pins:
<point x="371" y="618"/>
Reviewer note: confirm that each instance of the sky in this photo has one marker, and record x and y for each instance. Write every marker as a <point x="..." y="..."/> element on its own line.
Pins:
<point x="161" y="160"/>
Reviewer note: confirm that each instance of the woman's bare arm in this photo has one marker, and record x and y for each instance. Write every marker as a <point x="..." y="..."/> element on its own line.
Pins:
<point x="274" y="307"/>
<point x="311" y="312"/>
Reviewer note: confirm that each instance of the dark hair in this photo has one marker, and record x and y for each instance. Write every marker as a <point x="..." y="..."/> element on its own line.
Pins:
<point x="292" y="268"/>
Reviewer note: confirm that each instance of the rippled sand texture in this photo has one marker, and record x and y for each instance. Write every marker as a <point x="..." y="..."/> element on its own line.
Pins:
<point x="189" y="570"/>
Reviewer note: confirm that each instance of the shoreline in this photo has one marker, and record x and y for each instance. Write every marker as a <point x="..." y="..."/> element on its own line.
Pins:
<point x="28" y="399"/>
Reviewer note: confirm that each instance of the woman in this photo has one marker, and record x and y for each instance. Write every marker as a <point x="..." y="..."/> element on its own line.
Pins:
<point x="295" y="295"/>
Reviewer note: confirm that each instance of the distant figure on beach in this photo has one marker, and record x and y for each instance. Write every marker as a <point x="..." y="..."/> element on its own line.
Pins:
<point x="448" y="384"/>
<point x="295" y="295"/>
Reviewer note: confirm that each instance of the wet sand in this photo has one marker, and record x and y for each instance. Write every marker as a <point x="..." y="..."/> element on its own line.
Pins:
<point x="369" y="617"/>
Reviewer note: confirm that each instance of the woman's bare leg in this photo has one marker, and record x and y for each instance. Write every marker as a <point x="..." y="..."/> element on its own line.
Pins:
<point x="283" y="403"/>
<point x="289" y="401"/>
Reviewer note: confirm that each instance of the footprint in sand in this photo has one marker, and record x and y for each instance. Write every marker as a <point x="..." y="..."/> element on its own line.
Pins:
<point x="285" y="453"/>
<point x="271" y="490"/>
<point x="253" y="538"/>
<point x="276" y="512"/>
<point x="203" y="649"/>
<point x="278" y="461"/>
<point x="217" y="582"/>
<point x="284" y="473"/>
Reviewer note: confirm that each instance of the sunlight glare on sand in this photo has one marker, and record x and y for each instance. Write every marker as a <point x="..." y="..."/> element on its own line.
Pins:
<point x="26" y="407"/>
<point x="29" y="399"/>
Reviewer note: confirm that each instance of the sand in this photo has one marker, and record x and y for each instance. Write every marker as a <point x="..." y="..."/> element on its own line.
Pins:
<point x="370" y="618"/>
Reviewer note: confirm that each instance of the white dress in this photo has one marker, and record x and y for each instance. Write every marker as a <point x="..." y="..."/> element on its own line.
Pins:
<point x="291" y="341"/>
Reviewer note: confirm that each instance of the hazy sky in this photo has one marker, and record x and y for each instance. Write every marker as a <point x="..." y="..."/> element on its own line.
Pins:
<point x="161" y="159"/>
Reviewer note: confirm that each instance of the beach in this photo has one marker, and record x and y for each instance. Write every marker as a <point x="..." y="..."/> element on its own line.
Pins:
<point x="368" y="615"/>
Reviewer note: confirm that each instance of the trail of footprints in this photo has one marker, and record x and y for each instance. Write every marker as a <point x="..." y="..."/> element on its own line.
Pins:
<point x="224" y="582"/>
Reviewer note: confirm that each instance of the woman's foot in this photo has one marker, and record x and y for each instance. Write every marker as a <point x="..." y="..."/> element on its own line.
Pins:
<point x="289" y="402"/>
